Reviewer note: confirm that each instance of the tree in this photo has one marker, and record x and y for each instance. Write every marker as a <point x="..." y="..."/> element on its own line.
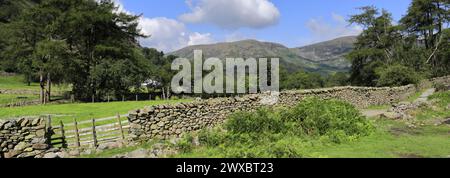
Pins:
<point x="427" y="22"/>
<point x="376" y="44"/>
<point x="50" y="58"/>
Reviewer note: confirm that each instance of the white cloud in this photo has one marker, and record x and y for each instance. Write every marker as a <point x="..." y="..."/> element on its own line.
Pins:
<point x="198" y="38"/>
<point x="166" y="34"/>
<point x="322" y="30"/>
<point x="232" y="14"/>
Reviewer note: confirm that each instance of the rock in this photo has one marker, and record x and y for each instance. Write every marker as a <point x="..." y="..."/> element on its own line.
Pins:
<point x="24" y="122"/>
<point x="29" y="149"/>
<point x="29" y="137"/>
<point x="50" y="155"/>
<point x="21" y="146"/>
<point x="391" y="115"/>
<point x="74" y="153"/>
<point x="40" y="146"/>
<point x="140" y="153"/>
<point x="111" y="145"/>
<point x="11" y="154"/>
<point x="62" y="154"/>
<point x="7" y="126"/>
<point x="38" y="140"/>
<point x="36" y="122"/>
<point x="40" y="133"/>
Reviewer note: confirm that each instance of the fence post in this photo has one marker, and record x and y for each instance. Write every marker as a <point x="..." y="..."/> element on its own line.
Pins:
<point x="94" y="133"/>
<point x="63" y="135"/>
<point x="77" y="135"/>
<point x="123" y="98"/>
<point x="120" y="127"/>
<point x="93" y="99"/>
<point x="137" y="98"/>
<point x="49" y="123"/>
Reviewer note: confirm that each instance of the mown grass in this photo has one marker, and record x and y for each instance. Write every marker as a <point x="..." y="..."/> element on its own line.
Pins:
<point x="80" y="111"/>
<point x="14" y="98"/>
<point x="16" y="82"/>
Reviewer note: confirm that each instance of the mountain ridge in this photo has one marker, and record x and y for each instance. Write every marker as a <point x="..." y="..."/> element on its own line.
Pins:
<point x="323" y="57"/>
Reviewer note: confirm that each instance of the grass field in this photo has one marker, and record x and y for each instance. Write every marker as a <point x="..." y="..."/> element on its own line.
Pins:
<point x="13" y="98"/>
<point x="80" y="111"/>
<point x="16" y="82"/>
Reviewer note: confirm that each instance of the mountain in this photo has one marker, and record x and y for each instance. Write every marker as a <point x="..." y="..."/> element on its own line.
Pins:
<point x="329" y="52"/>
<point x="323" y="57"/>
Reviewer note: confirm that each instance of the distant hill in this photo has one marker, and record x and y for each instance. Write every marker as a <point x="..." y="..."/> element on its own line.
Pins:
<point x="293" y="59"/>
<point x="329" y="52"/>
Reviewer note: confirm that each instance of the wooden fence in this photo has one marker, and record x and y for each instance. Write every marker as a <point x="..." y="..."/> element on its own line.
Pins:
<point x="89" y="132"/>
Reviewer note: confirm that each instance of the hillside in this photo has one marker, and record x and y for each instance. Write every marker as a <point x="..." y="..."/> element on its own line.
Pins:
<point x="329" y="52"/>
<point x="292" y="59"/>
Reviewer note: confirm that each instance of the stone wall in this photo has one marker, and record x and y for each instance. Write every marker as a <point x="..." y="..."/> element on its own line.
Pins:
<point x="166" y="121"/>
<point x="23" y="138"/>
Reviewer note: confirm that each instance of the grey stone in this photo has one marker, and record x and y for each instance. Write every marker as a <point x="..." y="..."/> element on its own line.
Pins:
<point x="40" y="146"/>
<point x="62" y="154"/>
<point x="40" y="133"/>
<point x="140" y="153"/>
<point x="35" y="122"/>
<point x="74" y="153"/>
<point x="391" y="115"/>
<point x="50" y="155"/>
<point x="21" y="146"/>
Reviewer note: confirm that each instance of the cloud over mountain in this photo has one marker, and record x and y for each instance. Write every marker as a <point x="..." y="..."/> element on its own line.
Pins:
<point x="232" y="14"/>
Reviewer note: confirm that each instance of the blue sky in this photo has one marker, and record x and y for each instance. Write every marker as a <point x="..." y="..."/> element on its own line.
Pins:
<point x="174" y="24"/>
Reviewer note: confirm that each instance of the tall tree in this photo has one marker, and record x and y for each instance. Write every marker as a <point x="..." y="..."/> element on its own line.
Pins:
<point x="374" y="46"/>
<point x="427" y="21"/>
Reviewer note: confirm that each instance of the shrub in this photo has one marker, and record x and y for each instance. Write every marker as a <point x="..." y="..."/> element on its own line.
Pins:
<point x="397" y="75"/>
<point x="316" y="117"/>
<point x="211" y="138"/>
<point x="261" y="121"/>
<point x="442" y="98"/>
<point x="185" y="144"/>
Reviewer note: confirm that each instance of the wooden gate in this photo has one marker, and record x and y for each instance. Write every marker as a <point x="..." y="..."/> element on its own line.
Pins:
<point x="89" y="132"/>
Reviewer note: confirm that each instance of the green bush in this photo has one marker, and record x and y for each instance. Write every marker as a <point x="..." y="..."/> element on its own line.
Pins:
<point x="185" y="144"/>
<point x="211" y="137"/>
<point x="316" y="117"/>
<point x="397" y="75"/>
<point x="288" y="133"/>
<point x="442" y="98"/>
<point x="258" y="122"/>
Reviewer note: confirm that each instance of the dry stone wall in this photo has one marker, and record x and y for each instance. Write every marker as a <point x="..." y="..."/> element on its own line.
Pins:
<point x="166" y="121"/>
<point x="22" y="138"/>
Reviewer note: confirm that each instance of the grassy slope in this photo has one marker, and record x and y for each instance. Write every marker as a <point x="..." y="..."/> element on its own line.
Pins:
<point x="17" y="83"/>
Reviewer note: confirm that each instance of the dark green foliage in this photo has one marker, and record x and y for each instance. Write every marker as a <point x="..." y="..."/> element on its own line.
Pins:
<point x="337" y="79"/>
<point x="420" y="42"/>
<point x="284" y="134"/>
<point x="315" y="117"/>
<point x="257" y="122"/>
<point x="397" y="75"/>
<point x="301" y="80"/>
<point x="185" y="144"/>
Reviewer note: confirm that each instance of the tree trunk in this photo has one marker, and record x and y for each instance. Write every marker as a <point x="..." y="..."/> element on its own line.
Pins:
<point x="163" y="94"/>
<point x="168" y="92"/>
<point x="42" y="88"/>
<point x="49" y="87"/>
